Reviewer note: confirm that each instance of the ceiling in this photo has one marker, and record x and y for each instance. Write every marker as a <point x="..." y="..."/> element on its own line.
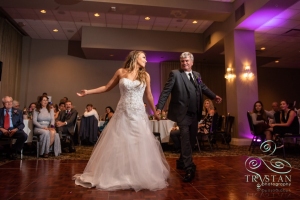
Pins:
<point x="280" y="35"/>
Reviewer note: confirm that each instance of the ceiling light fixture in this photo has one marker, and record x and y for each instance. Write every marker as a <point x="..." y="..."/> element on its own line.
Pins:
<point x="43" y="11"/>
<point x="147" y="18"/>
<point x="263" y="48"/>
<point x="276" y="61"/>
<point x="97" y="15"/>
<point x="195" y="22"/>
<point x="55" y="30"/>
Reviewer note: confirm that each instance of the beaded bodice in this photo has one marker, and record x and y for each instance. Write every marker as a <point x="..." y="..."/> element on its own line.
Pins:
<point x="132" y="93"/>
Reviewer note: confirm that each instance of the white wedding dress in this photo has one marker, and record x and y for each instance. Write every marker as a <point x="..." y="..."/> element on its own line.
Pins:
<point x="127" y="155"/>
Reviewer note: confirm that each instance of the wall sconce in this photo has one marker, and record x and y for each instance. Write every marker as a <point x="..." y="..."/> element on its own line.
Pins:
<point x="247" y="72"/>
<point x="229" y="74"/>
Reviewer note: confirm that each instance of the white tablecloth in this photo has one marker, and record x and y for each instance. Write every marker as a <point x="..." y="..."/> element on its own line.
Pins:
<point x="28" y="129"/>
<point x="163" y="127"/>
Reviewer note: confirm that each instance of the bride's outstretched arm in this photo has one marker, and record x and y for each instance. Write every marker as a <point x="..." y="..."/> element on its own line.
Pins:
<point x="110" y="85"/>
<point x="149" y="96"/>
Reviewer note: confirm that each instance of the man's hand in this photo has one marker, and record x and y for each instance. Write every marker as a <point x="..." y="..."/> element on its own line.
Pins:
<point x="4" y="131"/>
<point x="158" y="111"/>
<point x="12" y="132"/>
<point x="60" y="124"/>
<point x="218" y="99"/>
<point x="156" y="116"/>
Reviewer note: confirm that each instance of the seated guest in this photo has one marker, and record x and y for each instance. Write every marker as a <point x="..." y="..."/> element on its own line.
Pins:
<point x="275" y="112"/>
<point x="205" y="124"/>
<point x="30" y="110"/>
<point x="11" y="126"/>
<point x="43" y="121"/>
<point x="66" y="122"/>
<point x="288" y="123"/>
<point x="175" y="136"/>
<point x="16" y="104"/>
<point x="260" y="119"/>
<point x="90" y="111"/>
<point x="109" y="113"/>
<point x="55" y="109"/>
<point x="61" y="106"/>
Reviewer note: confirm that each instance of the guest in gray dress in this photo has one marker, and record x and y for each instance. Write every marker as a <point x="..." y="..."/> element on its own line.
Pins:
<point x="43" y="121"/>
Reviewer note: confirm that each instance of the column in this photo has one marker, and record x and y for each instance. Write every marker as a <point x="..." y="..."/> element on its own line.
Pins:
<point x="241" y="91"/>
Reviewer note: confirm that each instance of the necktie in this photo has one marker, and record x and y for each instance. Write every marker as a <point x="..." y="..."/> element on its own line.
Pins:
<point x="6" y="120"/>
<point x="191" y="79"/>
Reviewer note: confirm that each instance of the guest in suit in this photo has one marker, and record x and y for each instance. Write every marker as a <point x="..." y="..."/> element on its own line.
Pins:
<point x="16" y="104"/>
<point x="186" y="88"/>
<point x="61" y="106"/>
<point x="66" y="122"/>
<point x="43" y="121"/>
<point x="11" y="125"/>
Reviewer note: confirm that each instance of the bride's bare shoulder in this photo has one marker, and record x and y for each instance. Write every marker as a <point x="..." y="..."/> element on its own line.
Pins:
<point x="122" y="72"/>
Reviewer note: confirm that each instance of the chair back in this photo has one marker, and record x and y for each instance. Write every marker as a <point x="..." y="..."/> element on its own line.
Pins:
<point x="215" y="122"/>
<point x="250" y="121"/>
<point x="228" y="123"/>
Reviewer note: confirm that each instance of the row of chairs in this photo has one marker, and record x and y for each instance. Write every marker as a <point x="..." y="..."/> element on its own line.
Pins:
<point x="216" y="131"/>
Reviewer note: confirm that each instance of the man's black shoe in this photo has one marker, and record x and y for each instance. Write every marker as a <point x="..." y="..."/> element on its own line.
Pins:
<point x="176" y="151"/>
<point x="179" y="165"/>
<point x="189" y="176"/>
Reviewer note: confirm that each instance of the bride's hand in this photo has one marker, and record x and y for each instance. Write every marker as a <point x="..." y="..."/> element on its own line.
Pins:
<point x="156" y="116"/>
<point x="82" y="93"/>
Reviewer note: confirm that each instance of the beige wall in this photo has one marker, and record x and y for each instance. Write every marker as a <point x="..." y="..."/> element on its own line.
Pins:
<point x="48" y="68"/>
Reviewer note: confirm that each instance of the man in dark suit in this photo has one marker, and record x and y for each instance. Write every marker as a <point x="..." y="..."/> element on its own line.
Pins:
<point x="185" y="108"/>
<point x="66" y="121"/>
<point x="11" y="126"/>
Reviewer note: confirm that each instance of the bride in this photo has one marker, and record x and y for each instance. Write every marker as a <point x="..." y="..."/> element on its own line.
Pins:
<point x="127" y="155"/>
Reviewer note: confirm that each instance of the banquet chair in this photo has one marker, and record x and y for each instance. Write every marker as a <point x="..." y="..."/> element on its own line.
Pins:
<point x="256" y="137"/>
<point x="88" y="130"/>
<point x="209" y="137"/>
<point x="226" y="132"/>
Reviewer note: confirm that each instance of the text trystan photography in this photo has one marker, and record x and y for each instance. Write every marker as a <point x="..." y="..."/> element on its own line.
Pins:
<point x="272" y="173"/>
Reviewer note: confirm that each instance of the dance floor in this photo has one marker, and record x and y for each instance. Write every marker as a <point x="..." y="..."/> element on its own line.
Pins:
<point x="216" y="178"/>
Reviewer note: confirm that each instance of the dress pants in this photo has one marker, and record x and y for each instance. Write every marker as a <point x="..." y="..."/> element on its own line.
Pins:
<point x="188" y="130"/>
<point x="21" y="137"/>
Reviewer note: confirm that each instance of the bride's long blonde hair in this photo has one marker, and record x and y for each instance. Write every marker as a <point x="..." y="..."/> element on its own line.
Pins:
<point x="130" y="64"/>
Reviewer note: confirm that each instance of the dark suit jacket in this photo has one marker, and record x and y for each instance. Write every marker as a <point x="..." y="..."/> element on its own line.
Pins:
<point x="178" y="86"/>
<point x="17" y="118"/>
<point x="69" y="118"/>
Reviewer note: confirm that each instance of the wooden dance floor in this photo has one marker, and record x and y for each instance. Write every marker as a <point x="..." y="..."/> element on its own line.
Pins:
<point x="216" y="178"/>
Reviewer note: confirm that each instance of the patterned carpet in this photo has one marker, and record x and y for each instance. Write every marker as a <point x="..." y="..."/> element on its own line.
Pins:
<point x="84" y="152"/>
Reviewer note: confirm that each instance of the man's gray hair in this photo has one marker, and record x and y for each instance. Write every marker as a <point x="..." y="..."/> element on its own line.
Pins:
<point x="3" y="99"/>
<point x="187" y="55"/>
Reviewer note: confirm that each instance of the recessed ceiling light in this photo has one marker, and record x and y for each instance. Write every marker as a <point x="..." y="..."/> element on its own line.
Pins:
<point x="43" y="11"/>
<point x="147" y="18"/>
<point x="276" y="61"/>
<point x="195" y="22"/>
<point x="55" y="30"/>
<point x="263" y="48"/>
<point x="97" y="15"/>
<point x="111" y="55"/>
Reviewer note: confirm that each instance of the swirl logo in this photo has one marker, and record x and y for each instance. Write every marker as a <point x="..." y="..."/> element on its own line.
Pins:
<point x="279" y="167"/>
